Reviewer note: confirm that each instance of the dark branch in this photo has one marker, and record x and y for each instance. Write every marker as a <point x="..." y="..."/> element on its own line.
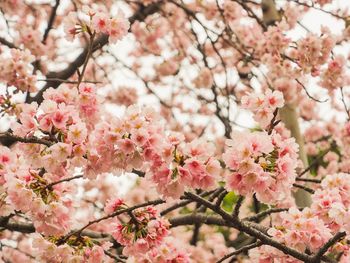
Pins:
<point x="265" y="213"/>
<point x="7" y="43"/>
<point x="63" y="180"/>
<point x="326" y="246"/>
<point x="11" y="138"/>
<point x="305" y="188"/>
<point x="51" y="21"/>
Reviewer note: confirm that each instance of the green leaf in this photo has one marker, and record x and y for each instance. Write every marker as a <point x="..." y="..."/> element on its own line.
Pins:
<point x="229" y="200"/>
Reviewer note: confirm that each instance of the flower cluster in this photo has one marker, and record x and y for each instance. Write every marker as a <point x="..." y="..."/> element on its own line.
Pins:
<point x="149" y="36"/>
<point x="112" y="205"/>
<point x="313" y="51"/>
<point x="143" y="231"/>
<point x="31" y="39"/>
<point x="53" y="156"/>
<point x="313" y="227"/>
<point x="7" y="162"/>
<point x="167" y="251"/>
<point x="16" y="70"/>
<point x="88" y="104"/>
<point x="80" y="249"/>
<point x="212" y="248"/>
<point x="28" y="192"/>
<point x="57" y="177"/>
<point x="98" y="22"/>
<point x="263" y="106"/>
<point x="276" y="41"/>
<point x="232" y="10"/>
<point x="331" y="202"/>
<point x="301" y="230"/>
<point x="63" y="117"/>
<point x="62" y="123"/>
<point x="334" y="76"/>
<point x="126" y="96"/>
<point x="190" y="165"/>
<point x="262" y="164"/>
<point x="136" y="142"/>
<point x="119" y="142"/>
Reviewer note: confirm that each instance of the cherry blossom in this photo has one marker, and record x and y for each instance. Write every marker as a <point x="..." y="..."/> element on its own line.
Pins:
<point x="212" y="131"/>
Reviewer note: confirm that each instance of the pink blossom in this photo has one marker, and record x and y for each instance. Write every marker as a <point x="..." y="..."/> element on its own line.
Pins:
<point x="126" y="146"/>
<point x="77" y="133"/>
<point x="70" y="26"/>
<point x="154" y="227"/>
<point x="119" y="27"/>
<point x="100" y="23"/>
<point x="16" y="70"/>
<point x="60" y="151"/>
<point x="59" y="119"/>
<point x="263" y="106"/>
<point x="95" y="254"/>
<point x="45" y="123"/>
<point x="112" y="205"/>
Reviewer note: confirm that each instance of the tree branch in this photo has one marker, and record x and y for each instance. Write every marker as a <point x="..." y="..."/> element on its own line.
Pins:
<point x="7" y="43"/>
<point x="64" y="180"/>
<point x="305" y="188"/>
<point x="9" y="137"/>
<point x="338" y="236"/>
<point x="51" y="21"/>
<point x="265" y="213"/>
<point x="197" y="219"/>
<point x="101" y="41"/>
<point x="248" y="228"/>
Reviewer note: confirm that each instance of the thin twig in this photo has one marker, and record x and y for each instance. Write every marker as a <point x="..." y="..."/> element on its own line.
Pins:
<point x="63" y="180"/>
<point x="265" y="213"/>
<point x="70" y="81"/>
<point x="241" y="250"/>
<point x="51" y="21"/>
<point x="317" y="159"/>
<point x="316" y="181"/>
<point x="308" y="94"/>
<point x="347" y="110"/>
<point x="305" y="188"/>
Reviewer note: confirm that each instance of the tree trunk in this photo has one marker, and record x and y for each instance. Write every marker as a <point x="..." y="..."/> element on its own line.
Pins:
<point x="288" y="113"/>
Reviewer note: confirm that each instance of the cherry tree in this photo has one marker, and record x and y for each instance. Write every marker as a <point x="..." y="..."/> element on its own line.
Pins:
<point x="174" y="131"/>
